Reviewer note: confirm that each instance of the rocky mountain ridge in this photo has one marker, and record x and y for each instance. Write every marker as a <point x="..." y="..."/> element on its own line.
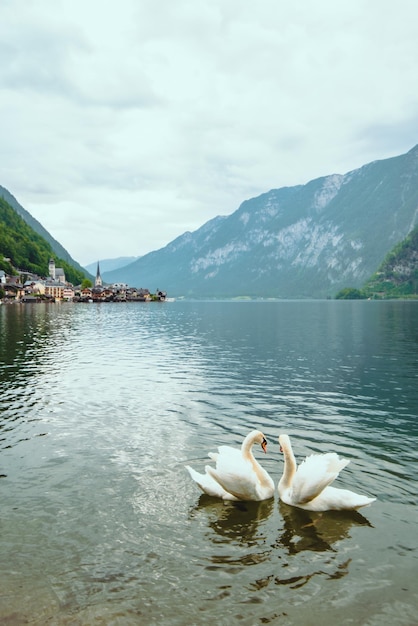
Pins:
<point x="304" y="241"/>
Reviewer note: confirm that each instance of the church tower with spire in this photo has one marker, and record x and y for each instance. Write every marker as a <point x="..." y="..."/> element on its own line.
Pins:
<point x="98" y="282"/>
<point x="51" y="268"/>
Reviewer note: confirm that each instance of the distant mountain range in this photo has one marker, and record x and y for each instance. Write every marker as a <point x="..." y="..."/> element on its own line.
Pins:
<point x="107" y="265"/>
<point x="306" y="241"/>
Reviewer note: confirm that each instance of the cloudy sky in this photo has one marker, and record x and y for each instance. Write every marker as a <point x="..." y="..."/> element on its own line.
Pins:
<point x="125" y="123"/>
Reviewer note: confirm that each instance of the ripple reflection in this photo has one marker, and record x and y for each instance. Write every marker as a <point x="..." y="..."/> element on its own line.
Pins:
<point x="238" y="532"/>
<point x="317" y="532"/>
<point x="234" y="521"/>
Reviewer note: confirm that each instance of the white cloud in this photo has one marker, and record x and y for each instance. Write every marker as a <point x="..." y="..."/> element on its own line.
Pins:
<point x="123" y="124"/>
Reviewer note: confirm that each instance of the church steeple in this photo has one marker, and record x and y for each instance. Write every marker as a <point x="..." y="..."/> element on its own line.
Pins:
<point x="51" y="268"/>
<point x="98" y="282"/>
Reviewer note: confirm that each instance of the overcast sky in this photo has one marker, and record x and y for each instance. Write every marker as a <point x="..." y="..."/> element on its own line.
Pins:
<point x="125" y="123"/>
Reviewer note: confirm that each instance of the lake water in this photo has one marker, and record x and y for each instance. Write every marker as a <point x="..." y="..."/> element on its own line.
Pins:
<point x="103" y="405"/>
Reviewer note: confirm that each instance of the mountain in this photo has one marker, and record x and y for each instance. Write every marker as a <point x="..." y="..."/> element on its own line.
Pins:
<point x="306" y="241"/>
<point x="107" y="265"/>
<point x="38" y="228"/>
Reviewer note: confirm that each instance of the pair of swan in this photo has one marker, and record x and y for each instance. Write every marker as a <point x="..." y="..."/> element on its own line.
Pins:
<point x="237" y="475"/>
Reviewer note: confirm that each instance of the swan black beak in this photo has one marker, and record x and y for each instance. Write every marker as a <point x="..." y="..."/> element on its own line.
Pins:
<point x="264" y="445"/>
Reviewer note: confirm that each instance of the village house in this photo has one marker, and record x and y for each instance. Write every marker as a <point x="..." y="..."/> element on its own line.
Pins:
<point x="54" y="289"/>
<point x="34" y="287"/>
<point x="86" y="293"/>
<point x="13" y="290"/>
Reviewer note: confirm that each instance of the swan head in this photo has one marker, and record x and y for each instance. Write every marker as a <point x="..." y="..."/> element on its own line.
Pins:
<point x="256" y="436"/>
<point x="284" y="442"/>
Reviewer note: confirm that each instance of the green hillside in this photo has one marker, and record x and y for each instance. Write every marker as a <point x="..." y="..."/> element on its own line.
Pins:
<point x="59" y="250"/>
<point x="26" y="249"/>
<point x="397" y="276"/>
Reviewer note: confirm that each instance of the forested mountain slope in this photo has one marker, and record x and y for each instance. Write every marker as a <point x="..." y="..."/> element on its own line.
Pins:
<point x="26" y="249"/>
<point x="58" y="249"/>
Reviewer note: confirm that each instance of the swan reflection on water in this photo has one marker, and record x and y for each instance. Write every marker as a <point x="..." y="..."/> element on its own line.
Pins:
<point x="303" y="532"/>
<point x="250" y="533"/>
<point x="237" y="532"/>
<point x="319" y="532"/>
<point x="245" y="522"/>
<point x="234" y="521"/>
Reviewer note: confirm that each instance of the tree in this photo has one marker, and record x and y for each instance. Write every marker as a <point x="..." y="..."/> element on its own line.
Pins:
<point x="86" y="284"/>
<point x="350" y="293"/>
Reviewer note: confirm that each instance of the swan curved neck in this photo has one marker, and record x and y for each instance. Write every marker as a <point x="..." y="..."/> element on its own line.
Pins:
<point x="246" y="448"/>
<point x="247" y="454"/>
<point x="289" y="466"/>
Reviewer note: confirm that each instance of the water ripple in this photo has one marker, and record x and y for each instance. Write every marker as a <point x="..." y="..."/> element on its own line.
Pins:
<point x="101" y="408"/>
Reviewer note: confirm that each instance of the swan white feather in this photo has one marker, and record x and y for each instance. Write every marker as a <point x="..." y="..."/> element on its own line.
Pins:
<point x="237" y="475"/>
<point x="308" y="486"/>
<point x="209" y="485"/>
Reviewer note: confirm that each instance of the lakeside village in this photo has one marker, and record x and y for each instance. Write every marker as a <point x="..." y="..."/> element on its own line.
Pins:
<point x="27" y="287"/>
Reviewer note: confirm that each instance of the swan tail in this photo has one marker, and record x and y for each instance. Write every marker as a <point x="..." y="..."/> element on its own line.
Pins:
<point x="344" y="499"/>
<point x="339" y="500"/>
<point x="364" y="501"/>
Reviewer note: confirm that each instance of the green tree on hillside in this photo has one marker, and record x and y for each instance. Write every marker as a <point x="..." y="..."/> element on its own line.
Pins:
<point x="86" y="284"/>
<point x="26" y="249"/>
<point x="350" y="293"/>
<point x="396" y="277"/>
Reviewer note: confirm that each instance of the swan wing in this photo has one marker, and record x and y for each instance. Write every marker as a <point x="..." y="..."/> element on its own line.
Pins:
<point x="314" y="474"/>
<point x="226" y="454"/>
<point x="208" y="484"/>
<point x="229" y="458"/>
<point x="239" y="480"/>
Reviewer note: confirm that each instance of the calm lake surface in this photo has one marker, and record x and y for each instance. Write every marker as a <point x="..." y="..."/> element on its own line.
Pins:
<point x="103" y="405"/>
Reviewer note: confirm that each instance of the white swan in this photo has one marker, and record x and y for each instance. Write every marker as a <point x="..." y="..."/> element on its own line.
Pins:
<point x="307" y="486"/>
<point x="237" y="475"/>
